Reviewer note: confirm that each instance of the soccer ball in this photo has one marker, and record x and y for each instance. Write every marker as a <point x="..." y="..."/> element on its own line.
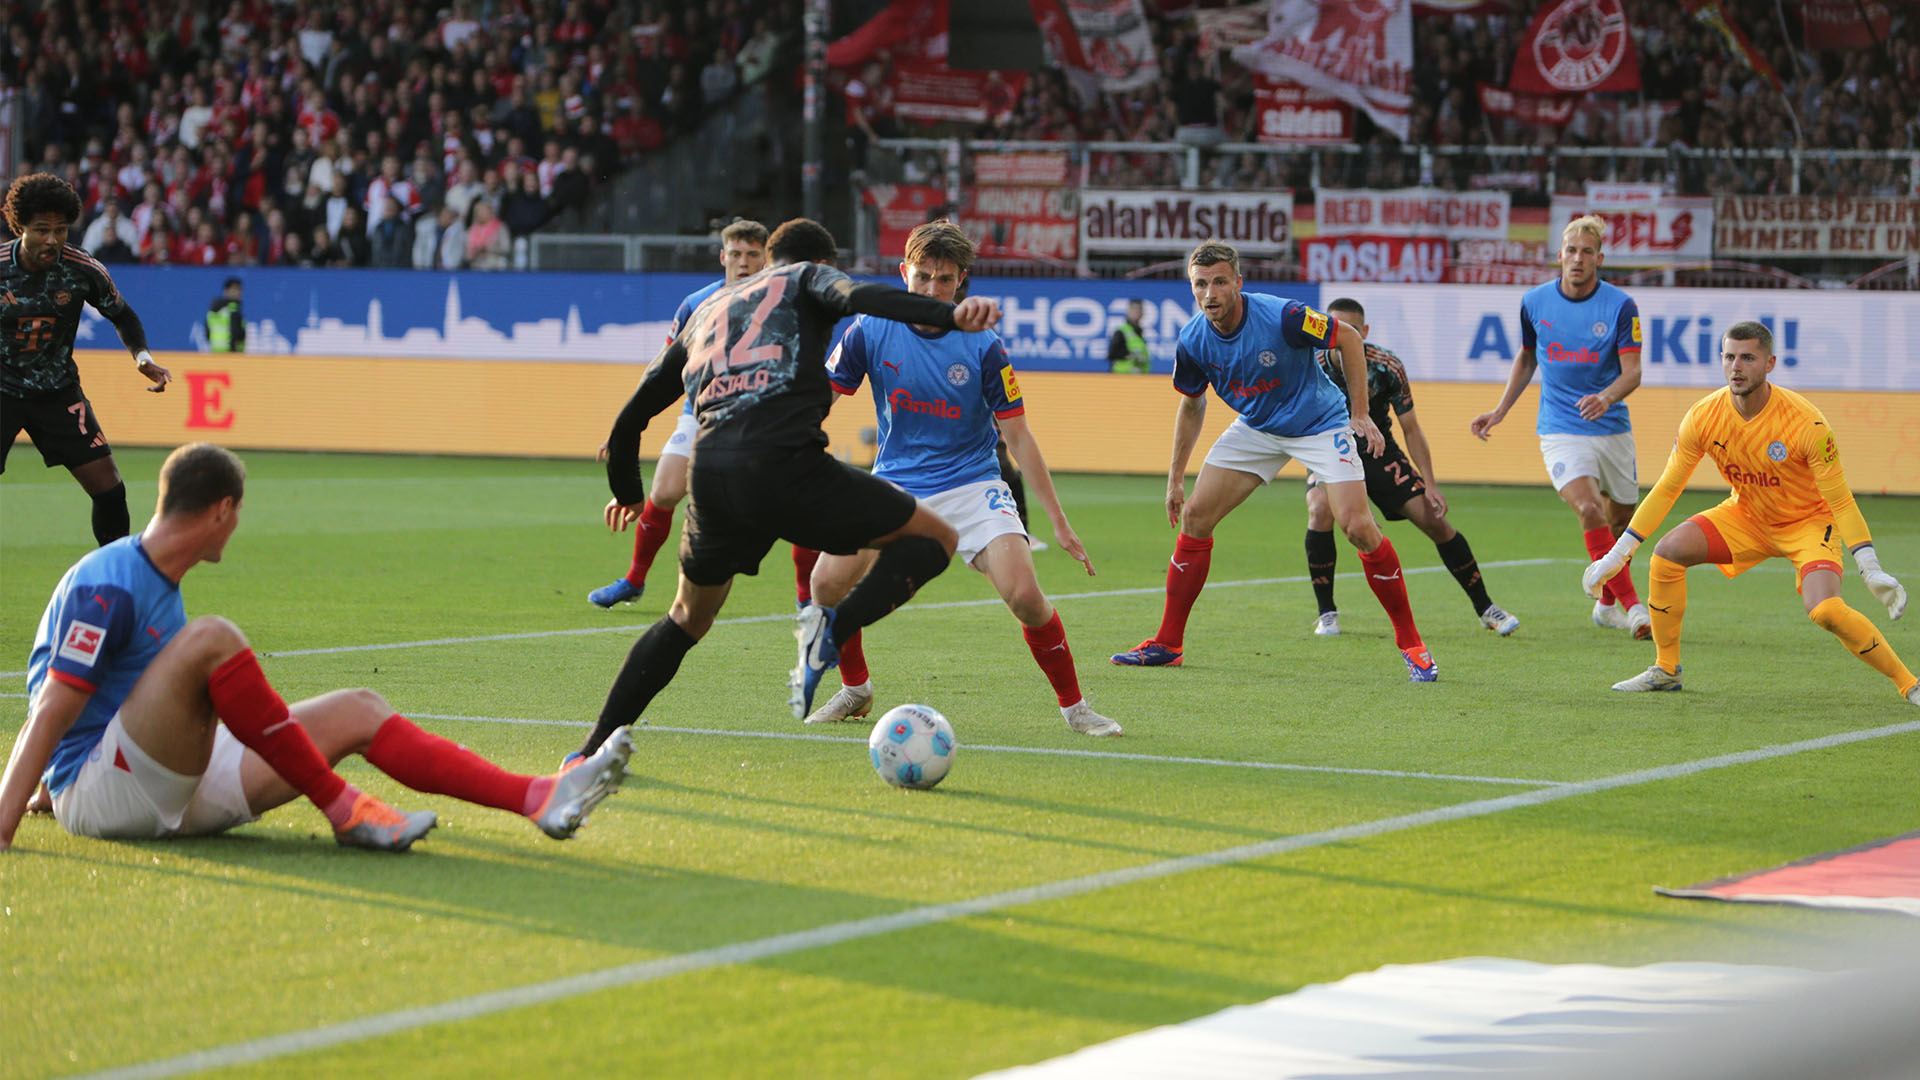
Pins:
<point x="912" y="747"/>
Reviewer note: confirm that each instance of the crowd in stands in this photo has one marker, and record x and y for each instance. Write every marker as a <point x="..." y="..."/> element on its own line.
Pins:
<point x="1696" y="93"/>
<point x="389" y="133"/>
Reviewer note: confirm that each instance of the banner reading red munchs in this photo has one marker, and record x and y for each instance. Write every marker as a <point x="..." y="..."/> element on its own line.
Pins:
<point x="1359" y="51"/>
<point x="1577" y="47"/>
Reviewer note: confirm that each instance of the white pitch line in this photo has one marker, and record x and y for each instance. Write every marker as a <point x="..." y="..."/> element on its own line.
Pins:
<point x="747" y="952"/>
<point x="1110" y="755"/>
<point x="947" y="605"/>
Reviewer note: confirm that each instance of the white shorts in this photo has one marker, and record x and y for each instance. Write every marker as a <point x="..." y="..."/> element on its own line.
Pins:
<point x="1607" y="458"/>
<point x="980" y="513"/>
<point x="122" y="793"/>
<point x="1332" y="456"/>
<point x="680" y="443"/>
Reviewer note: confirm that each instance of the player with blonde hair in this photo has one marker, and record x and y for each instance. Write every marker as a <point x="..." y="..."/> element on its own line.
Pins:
<point x="1584" y="336"/>
<point x="1790" y="498"/>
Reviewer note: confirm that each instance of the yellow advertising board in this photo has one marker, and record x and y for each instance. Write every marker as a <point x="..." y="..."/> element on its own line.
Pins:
<point x="1084" y="422"/>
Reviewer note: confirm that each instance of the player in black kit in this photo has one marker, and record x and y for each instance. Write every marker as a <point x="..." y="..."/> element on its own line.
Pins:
<point x="1398" y="488"/>
<point x="753" y="359"/>
<point x="43" y="282"/>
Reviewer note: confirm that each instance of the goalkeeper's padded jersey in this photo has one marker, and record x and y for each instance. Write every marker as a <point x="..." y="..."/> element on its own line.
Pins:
<point x="1783" y="465"/>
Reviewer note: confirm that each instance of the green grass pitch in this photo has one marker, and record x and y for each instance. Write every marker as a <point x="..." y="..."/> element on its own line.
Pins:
<point x="696" y="888"/>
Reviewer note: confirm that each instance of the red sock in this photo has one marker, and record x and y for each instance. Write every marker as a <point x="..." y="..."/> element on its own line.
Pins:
<point x="1382" y="566"/>
<point x="652" y="530"/>
<point x="259" y="719"/>
<point x="853" y="662"/>
<point x="803" y="560"/>
<point x="1048" y="644"/>
<point x="426" y="762"/>
<point x="1599" y="542"/>
<point x="1186" y="576"/>
<point x="1621" y="584"/>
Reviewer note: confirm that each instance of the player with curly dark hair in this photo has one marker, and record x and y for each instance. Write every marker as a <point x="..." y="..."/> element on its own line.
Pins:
<point x="43" y="282"/>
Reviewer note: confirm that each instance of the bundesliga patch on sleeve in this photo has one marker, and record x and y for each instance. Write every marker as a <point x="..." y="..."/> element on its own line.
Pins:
<point x="1011" y="384"/>
<point x="82" y="643"/>
<point x="1314" y="323"/>
<point x="1636" y="329"/>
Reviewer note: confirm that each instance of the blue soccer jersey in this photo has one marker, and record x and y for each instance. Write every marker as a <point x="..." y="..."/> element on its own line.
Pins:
<point x="1267" y="370"/>
<point x="109" y="617"/>
<point x="936" y="395"/>
<point x="683" y="313"/>
<point x="1577" y="344"/>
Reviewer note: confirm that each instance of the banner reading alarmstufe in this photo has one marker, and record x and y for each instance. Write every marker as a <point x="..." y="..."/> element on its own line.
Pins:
<point x="1760" y="226"/>
<point x="1257" y="223"/>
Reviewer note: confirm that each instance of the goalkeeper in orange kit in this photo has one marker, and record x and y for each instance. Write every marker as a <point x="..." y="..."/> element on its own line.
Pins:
<point x="1790" y="499"/>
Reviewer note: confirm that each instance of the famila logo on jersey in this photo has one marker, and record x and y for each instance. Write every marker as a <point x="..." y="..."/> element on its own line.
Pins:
<point x="1737" y="475"/>
<point x="1245" y="390"/>
<point x="903" y="401"/>
<point x="1582" y="355"/>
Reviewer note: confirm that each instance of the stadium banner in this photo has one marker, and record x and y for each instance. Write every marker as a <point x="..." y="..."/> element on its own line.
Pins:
<point x="1845" y="24"/>
<point x="1577" y="47"/>
<point x="1022" y="220"/>
<point x="1645" y="227"/>
<point x="1258" y="223"/>
<point x="900" y="208"/>
<point x="1105" y="41"/>
<point x="1358" y="257"/>
<point x="1289" y="113"/>
<point x="1542" y="109"/>
<point x="1824" y="340"/>
<point x="1859" y="227"/>
<point x="603" y="318"/>
<point x="935" y="94"/>
<point x="1022" y="167"/>
<point x="1359" y="53"/>
<point x="1456" y="215"/>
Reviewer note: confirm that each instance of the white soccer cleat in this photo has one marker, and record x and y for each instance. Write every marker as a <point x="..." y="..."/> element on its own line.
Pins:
<point x="1654" y="678"/>
<point x="848" y="703"/>
<point x="1500" y="622"/>
<point x="1639" y="622"/>
<point x="1609" y="616"/>
<point x="581" y="788"/>
<point x="1913" y="695"/>
<point x="1327" y="625"/>
<point x="1081" y="718"/>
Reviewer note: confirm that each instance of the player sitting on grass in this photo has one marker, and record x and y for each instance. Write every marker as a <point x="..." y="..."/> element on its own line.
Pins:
<point x="128" y="698"/>
<point x="1401" y="487"/>
<point x="1790" y="497"/>
<point x="938" y="394"/>
<point x="1258" y="353"/>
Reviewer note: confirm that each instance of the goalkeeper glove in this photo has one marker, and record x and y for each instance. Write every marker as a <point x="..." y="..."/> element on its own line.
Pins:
<point x="1882" y="584"/>
<point x="1602" y="570"/>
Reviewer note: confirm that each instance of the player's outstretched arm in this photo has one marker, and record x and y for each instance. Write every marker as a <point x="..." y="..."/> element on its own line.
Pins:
<point x="1823" y="455"/>
<point x="659" y="388"/>
<point x="133" y="334"/>
<point x="1688" y="448"/>
<point x="1353" y="364"/>
<point x="1033" y="466"/>
<point x="1517" y="379"/>
<point x="55" y="710"/>
<point x="1186" y="434"/>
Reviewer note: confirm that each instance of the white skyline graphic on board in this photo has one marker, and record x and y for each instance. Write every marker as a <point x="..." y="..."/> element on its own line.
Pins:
<point x="459" y="336"/>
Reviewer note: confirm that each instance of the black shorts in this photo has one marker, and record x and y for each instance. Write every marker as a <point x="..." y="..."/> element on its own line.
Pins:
<point x="61" y="424"/>
<point x="1391" y="481"/>
<point x="737" y="508"/>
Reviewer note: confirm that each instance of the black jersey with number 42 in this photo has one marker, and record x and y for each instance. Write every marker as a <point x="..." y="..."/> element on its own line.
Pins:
<point x="754" y="360"/>
<point x="40" y="316"/>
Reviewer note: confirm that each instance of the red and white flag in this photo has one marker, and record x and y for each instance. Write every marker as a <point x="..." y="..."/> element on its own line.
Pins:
<point x="1546" y="111"/>
<point x="1107" y="41"/>
<point x="1845" y="24"/>
<point x="1577" y="47"/>
<point x="1360" y="51"/>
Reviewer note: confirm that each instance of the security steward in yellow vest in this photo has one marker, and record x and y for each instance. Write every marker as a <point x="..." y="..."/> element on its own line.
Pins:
<point x="1127" y="349"/>
<point x="226" y="327"/>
